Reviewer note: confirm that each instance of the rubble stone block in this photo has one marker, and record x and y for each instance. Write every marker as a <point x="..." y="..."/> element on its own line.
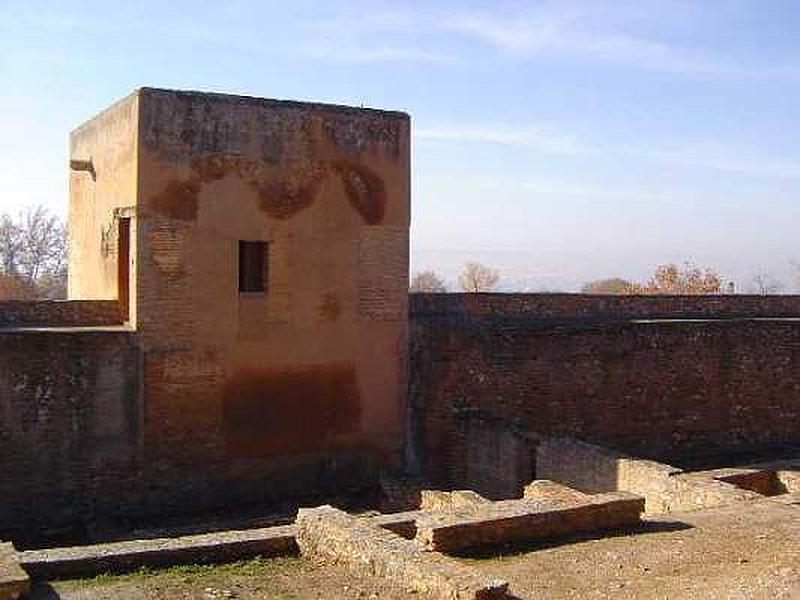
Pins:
<point x="14" y="582"/>
<point x="790" y="480"/>
<point x="441" y="500"/>
<point x="327" y="534"/>
<point x="544" y="488"/>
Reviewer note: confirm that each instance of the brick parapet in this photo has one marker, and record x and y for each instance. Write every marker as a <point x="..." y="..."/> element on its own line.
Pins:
<point x="588" y="307"/>
<point x="59" y="313"/>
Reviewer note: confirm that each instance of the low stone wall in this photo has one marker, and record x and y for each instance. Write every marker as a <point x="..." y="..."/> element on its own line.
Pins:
<point x="525" y="520"/>
<point x="688" y="491"/>
<point x="771" y="478"/>
<point x="330" y="535"/>
<point x="665" y="488"/>
<point x="14" y="581"/>
<point x="119" y="557"/>
<point x="760" y="481"/>
<point x="594" y="469"/>
<point x="59" y="313"/>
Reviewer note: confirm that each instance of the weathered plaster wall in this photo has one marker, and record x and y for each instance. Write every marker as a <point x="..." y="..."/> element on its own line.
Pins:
<point x="110" y="141"/>
<point x="311" y="374"/>
<point x="672" y="390"/>
<point x="69" y="431"/>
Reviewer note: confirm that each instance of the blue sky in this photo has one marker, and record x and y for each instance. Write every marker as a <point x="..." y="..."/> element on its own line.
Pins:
<point x="557" y="141"/>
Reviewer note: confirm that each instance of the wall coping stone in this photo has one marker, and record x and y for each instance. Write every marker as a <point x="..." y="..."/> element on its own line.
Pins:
<point x="119" y="557"/>
<point x="554" y="308"/>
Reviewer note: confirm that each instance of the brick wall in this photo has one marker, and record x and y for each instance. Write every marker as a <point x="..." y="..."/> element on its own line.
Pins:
<point x="680" y="391"/>
<point x="59" y="313"/>
<point x="588" y="307"/>
<point x="75" y="464"/>
<point x="484" y="384"/>
<point x="69" y="431"/>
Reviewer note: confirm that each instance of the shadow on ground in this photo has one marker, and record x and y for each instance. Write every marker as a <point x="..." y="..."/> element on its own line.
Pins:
<point x="42" y="590"/>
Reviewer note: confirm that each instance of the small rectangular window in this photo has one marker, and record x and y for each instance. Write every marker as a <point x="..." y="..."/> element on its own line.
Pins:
<point x="253" y="264"/>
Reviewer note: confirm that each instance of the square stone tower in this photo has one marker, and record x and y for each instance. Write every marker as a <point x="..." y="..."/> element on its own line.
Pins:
<point x="259" y="251"/>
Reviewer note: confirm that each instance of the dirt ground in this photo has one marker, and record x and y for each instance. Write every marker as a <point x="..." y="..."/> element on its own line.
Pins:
<point x="745" y="551"/>
<point x="734" y="553"/>
<point x="278" y="578"/>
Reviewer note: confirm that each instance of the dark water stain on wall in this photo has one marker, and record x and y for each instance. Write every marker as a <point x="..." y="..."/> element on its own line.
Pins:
<point x="269" y="412"/>
<point x="214" y="167"/>
<point x="365" y="190"/>
<point x="178" y="200"/>
<point x="280" y="198"/>
<point x="330" y="308"/>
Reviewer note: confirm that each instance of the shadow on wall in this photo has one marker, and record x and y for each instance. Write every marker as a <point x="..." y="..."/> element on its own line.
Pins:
<point x="666" y="489"/>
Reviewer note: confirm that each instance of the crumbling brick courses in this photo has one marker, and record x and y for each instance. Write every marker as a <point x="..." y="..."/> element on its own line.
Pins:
<point x="329" y="535"/>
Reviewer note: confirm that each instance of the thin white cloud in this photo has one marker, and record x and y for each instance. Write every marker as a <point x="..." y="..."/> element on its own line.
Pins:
<point x="567" y="34"/>
<point x="720" y="158"/>
<point x="370" y="54"/>
<point x="516" y="187"/>
<point x="487" y="134"/>
<point x="716" y="156"/>
<point x="618" y="32"/>
<point x="596" y="192"/>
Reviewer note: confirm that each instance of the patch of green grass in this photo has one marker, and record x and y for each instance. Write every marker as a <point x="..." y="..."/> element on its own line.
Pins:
<point x="254" y="567"/>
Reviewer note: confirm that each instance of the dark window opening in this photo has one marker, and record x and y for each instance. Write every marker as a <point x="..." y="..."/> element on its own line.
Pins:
<point x="123" y="267"/>
<point x="253" y="263"/>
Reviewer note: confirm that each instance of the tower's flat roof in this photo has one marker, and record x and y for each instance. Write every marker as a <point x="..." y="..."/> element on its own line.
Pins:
<point x="255" y="100"/>
<point x="220" y="98"/>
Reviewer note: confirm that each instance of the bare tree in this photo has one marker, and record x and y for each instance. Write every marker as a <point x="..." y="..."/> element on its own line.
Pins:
<point x="612" y="286"/>
<point x="765" y="284"/>
<point x="796" y="267"/>
<point x="43" y="241"/>
<point x="14" y="287"/>
<point x="10" y="245"/>
<point x="476" y="277"/>
<point x="686" y="280"/>
<point x="33" y="251"/>
<point x="427" y="282"/>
